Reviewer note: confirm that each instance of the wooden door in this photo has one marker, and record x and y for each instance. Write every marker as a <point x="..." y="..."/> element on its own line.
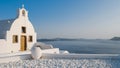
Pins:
<point x="23" y="43"/>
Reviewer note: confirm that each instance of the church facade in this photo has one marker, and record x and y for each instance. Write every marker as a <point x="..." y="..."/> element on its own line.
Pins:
<point x="17" y="34"/>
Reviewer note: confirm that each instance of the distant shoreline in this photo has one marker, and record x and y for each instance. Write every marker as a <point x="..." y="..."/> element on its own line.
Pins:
<point x="58" y="39"/>
<point x="81" y="39"/>
<point x="115" y="39"/>
<point x="67" y="39"/>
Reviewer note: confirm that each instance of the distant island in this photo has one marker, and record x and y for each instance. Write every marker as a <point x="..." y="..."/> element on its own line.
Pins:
<point x="115" y="38"/>
<point x="65" y="39"/>
<point x="58" y="39"/>
<point x="81" y="39"/>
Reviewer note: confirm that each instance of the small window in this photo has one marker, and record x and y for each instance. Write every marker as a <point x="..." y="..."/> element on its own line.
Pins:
<point x="15" y="39"/>
<point x="23" y="29"/>
<point x="30" y="38"/>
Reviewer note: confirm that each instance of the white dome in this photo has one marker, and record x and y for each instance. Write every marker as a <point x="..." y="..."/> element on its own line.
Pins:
<point x="36" y="52"/>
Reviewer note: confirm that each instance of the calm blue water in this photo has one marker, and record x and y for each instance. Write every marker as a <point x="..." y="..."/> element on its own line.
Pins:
<point x="88" y="46"/>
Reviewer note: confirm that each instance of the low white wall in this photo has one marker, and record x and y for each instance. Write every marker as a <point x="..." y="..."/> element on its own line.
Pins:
<point x="12" y="57"/>
<point x="4" y="48"/>
<point x="51" y="51"/>
<point x="2" y="42"/>
<point x="64" y="52"/>
<point x="80" y="56"/>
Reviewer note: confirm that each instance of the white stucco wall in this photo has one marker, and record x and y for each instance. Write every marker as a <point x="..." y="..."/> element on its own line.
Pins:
<point x="4" y="48"/>
<point x="16" y="30"/>
<point x="51" y="51"/>
<point x="2" y="42"/>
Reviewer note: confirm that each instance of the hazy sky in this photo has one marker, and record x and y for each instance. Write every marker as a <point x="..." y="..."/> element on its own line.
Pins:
<point x="68" y="18"/>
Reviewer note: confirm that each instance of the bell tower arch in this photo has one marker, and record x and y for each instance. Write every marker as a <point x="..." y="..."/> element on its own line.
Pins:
<point x="22" y="12"/>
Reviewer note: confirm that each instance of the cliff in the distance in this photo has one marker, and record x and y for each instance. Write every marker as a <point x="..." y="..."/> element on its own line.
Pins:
<point x="115" y="38"/>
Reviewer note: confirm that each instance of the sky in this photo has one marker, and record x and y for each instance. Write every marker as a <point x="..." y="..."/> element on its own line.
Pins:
<point x="90" y="19"/>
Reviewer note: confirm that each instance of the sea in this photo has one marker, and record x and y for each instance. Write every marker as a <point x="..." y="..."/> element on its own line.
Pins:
<point x="87" y="46"/>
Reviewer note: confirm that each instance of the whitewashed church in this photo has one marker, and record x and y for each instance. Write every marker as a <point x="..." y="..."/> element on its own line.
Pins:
<point x="18" y="40"/>
<point x="17" y="34"/>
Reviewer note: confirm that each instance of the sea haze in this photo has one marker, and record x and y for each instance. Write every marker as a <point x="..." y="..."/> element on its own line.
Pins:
<point x="86" y="46"/>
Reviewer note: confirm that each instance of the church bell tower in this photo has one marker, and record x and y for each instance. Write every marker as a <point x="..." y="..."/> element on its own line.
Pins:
<point x="22" y="13"/>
